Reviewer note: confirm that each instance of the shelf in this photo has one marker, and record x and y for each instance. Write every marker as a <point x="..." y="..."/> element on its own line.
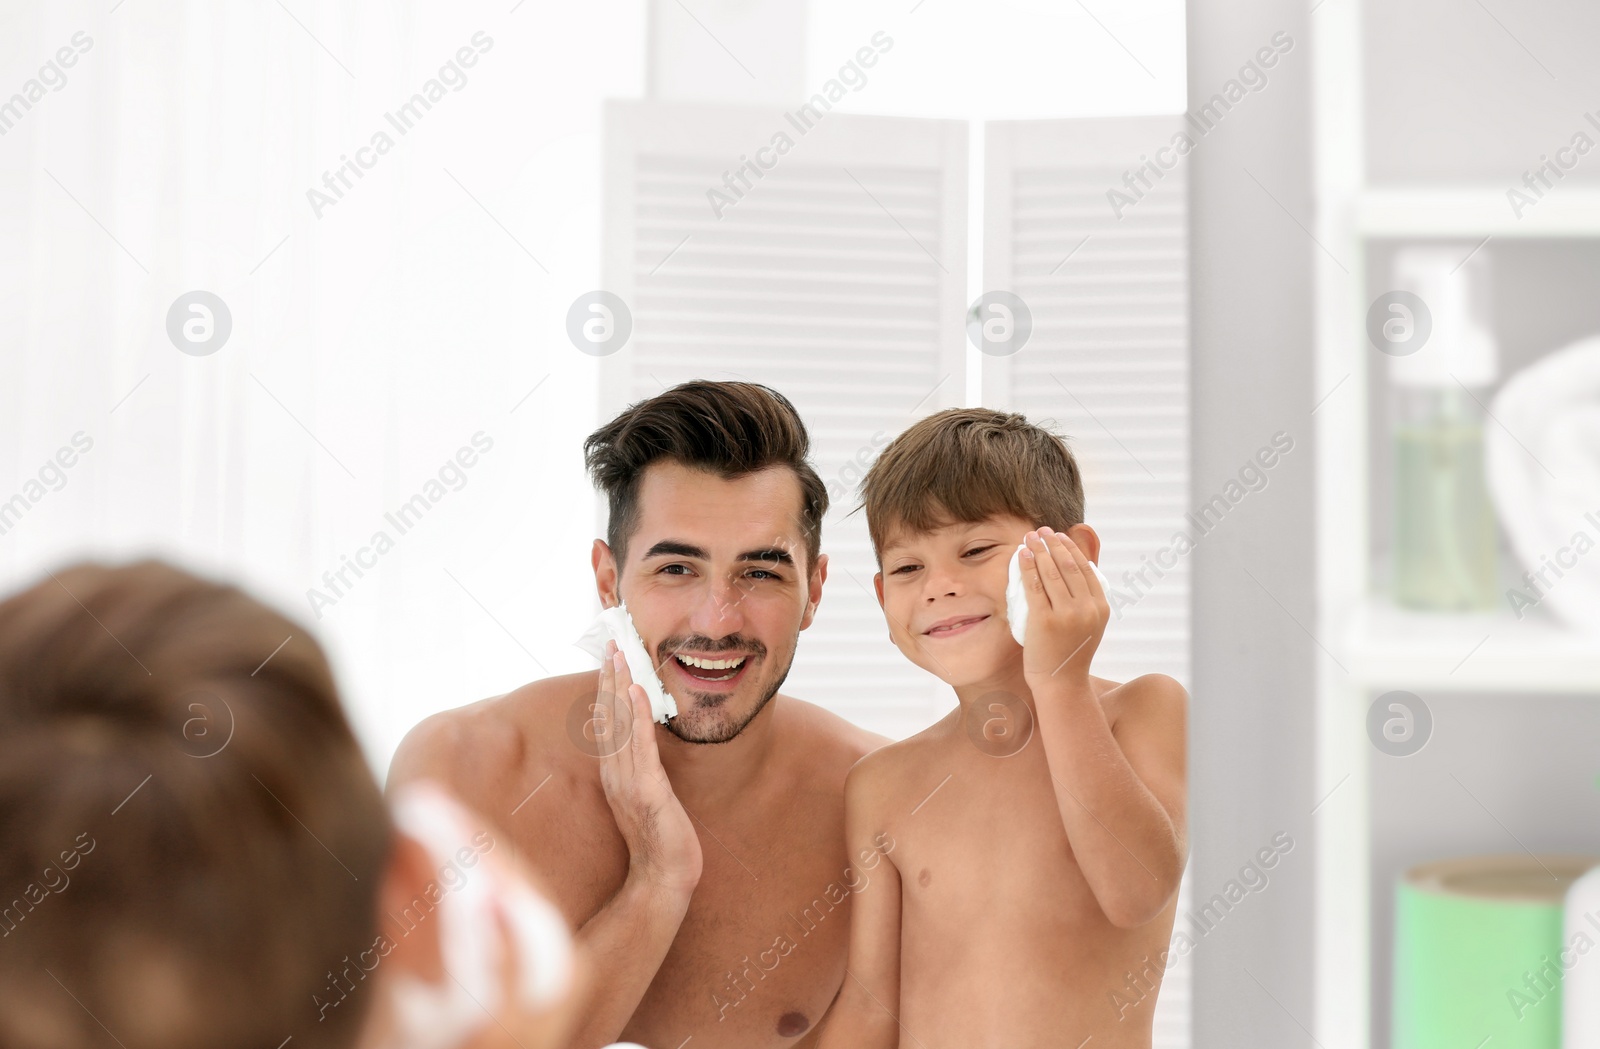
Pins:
<point x="1385" y="647"/>
<point x="1473" y="212"/>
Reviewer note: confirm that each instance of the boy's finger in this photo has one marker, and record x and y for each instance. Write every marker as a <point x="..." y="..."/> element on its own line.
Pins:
<point x="1091" y="581"/>
<point x="1049" y="571"/>
<point x="1061" y="553"/>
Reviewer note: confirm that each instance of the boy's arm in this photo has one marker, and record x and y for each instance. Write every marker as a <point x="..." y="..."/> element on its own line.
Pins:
<point x="866" y="1013"/>
<point x="1121" y="796"/>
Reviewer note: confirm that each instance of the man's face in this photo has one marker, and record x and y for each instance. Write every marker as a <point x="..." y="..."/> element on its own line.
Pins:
<point x="714" y="574"/>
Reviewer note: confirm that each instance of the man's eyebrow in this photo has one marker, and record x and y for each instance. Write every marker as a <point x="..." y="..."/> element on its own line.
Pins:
<point x="678" y="548"/>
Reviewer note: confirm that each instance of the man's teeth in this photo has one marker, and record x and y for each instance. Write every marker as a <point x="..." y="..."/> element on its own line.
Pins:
<point x="711" y="664"/>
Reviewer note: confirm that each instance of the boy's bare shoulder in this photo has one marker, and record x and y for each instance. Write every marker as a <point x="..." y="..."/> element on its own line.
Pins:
<point x="478" y="745"/>
<point x="1147" y="697"/>
<point x="896" y="769"/>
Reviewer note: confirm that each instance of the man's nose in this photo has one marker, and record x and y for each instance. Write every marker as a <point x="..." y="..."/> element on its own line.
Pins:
<point x="720" y="614"/>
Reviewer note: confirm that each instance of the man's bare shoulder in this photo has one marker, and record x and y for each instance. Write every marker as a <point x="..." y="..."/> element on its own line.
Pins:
<point x="481" y="743"/>
<point x="824" y="734"/>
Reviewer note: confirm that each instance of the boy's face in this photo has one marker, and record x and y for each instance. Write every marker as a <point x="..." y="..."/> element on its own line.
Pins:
<point x="944" y="594"/>
<point x="716" y="571"/>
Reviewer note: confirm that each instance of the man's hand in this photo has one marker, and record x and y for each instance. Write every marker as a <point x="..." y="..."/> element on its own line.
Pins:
<point x="1067" y="609"/>
<point x="663" y="848"/>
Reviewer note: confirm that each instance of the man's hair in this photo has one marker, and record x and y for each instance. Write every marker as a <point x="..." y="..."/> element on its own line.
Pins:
<point x="967" y="464"/>
<point x="192" y="838"/>
<point x="727" y="428"/>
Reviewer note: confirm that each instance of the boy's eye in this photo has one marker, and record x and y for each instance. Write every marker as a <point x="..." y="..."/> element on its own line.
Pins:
<point x="911" y="568"/>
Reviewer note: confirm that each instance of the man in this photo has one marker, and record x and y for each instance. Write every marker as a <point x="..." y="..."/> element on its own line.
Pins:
<point x="703" y="860"/>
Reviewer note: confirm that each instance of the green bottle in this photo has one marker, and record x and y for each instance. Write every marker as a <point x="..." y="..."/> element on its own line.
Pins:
<point x="1444" y="523"/>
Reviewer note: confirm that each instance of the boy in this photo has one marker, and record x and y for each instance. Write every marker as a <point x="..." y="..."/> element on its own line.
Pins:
<point x="1038" y="830"/>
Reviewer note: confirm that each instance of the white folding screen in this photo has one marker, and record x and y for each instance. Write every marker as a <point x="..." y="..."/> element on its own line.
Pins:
<point x="1087" y="222"/>
<point x="823" y="254"/>
<point x="1102" y="267"/>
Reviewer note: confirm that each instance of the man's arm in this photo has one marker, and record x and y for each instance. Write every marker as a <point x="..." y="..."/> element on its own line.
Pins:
<point x="866" y="1013"/>
<point x="629" y="936"/>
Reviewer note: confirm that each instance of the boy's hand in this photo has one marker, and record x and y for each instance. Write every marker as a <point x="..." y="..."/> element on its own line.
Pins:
<point x="1067" y="609"/>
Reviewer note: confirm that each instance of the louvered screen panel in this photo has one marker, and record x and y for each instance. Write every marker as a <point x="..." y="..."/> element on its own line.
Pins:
<point x="1108" y="361"/>
<point x="837" y="279"/>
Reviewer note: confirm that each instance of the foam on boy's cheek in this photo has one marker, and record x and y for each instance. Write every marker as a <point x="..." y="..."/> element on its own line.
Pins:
<point x="1017" y="597"/>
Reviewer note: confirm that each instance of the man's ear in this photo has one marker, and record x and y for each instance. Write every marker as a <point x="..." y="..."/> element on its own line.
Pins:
<point x="605" y="574"/>
<point x="819" y="575"/>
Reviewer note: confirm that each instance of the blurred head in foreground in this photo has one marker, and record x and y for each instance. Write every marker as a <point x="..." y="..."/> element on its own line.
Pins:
<point x="193" y="851"/>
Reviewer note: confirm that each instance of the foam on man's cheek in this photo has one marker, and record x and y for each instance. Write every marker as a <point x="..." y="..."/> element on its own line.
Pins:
<point x="615" y="624"/>
<point x="1017" y="597"/>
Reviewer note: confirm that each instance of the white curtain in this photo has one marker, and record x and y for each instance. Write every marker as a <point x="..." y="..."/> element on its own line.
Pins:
<point x="153" y="148"/>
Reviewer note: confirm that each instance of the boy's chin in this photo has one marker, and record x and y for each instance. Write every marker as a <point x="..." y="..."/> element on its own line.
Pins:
<point x="960" y="670"/>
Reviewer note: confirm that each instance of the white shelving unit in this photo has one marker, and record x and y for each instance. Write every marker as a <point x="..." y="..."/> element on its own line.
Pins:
<point x="1366" y="645"/>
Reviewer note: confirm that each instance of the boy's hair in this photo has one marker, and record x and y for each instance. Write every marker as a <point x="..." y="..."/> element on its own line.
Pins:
<point x="192" y="837"/>
<point x="727" y="428"/>
<point x="964" y="465"/>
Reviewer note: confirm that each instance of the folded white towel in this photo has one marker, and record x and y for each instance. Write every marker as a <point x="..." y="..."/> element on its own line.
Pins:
<point x="616" y="624"/>
<point x="1017" y="598"/>
<point x="1542" y="464"/>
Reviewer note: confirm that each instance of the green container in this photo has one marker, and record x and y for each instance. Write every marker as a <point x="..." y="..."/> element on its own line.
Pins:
<point x="1477" y="951"/>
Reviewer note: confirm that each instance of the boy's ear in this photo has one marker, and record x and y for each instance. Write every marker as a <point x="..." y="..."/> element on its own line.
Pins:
<point x="1086" y="540"/>
<point x="877" y="585"/>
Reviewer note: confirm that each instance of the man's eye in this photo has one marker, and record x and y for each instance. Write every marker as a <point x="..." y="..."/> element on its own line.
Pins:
<point x="763" y="573"/>
<point x="668" y="569"/>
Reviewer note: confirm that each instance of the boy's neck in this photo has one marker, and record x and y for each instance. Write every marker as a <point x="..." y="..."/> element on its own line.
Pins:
<point x="1010" y="683"/>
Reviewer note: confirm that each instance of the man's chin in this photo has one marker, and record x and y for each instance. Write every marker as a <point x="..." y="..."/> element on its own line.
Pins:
<point x="711" y="717"/>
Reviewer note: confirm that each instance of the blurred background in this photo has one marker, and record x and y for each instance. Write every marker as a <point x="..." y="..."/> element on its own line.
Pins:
<point x="1309" y="287"/>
